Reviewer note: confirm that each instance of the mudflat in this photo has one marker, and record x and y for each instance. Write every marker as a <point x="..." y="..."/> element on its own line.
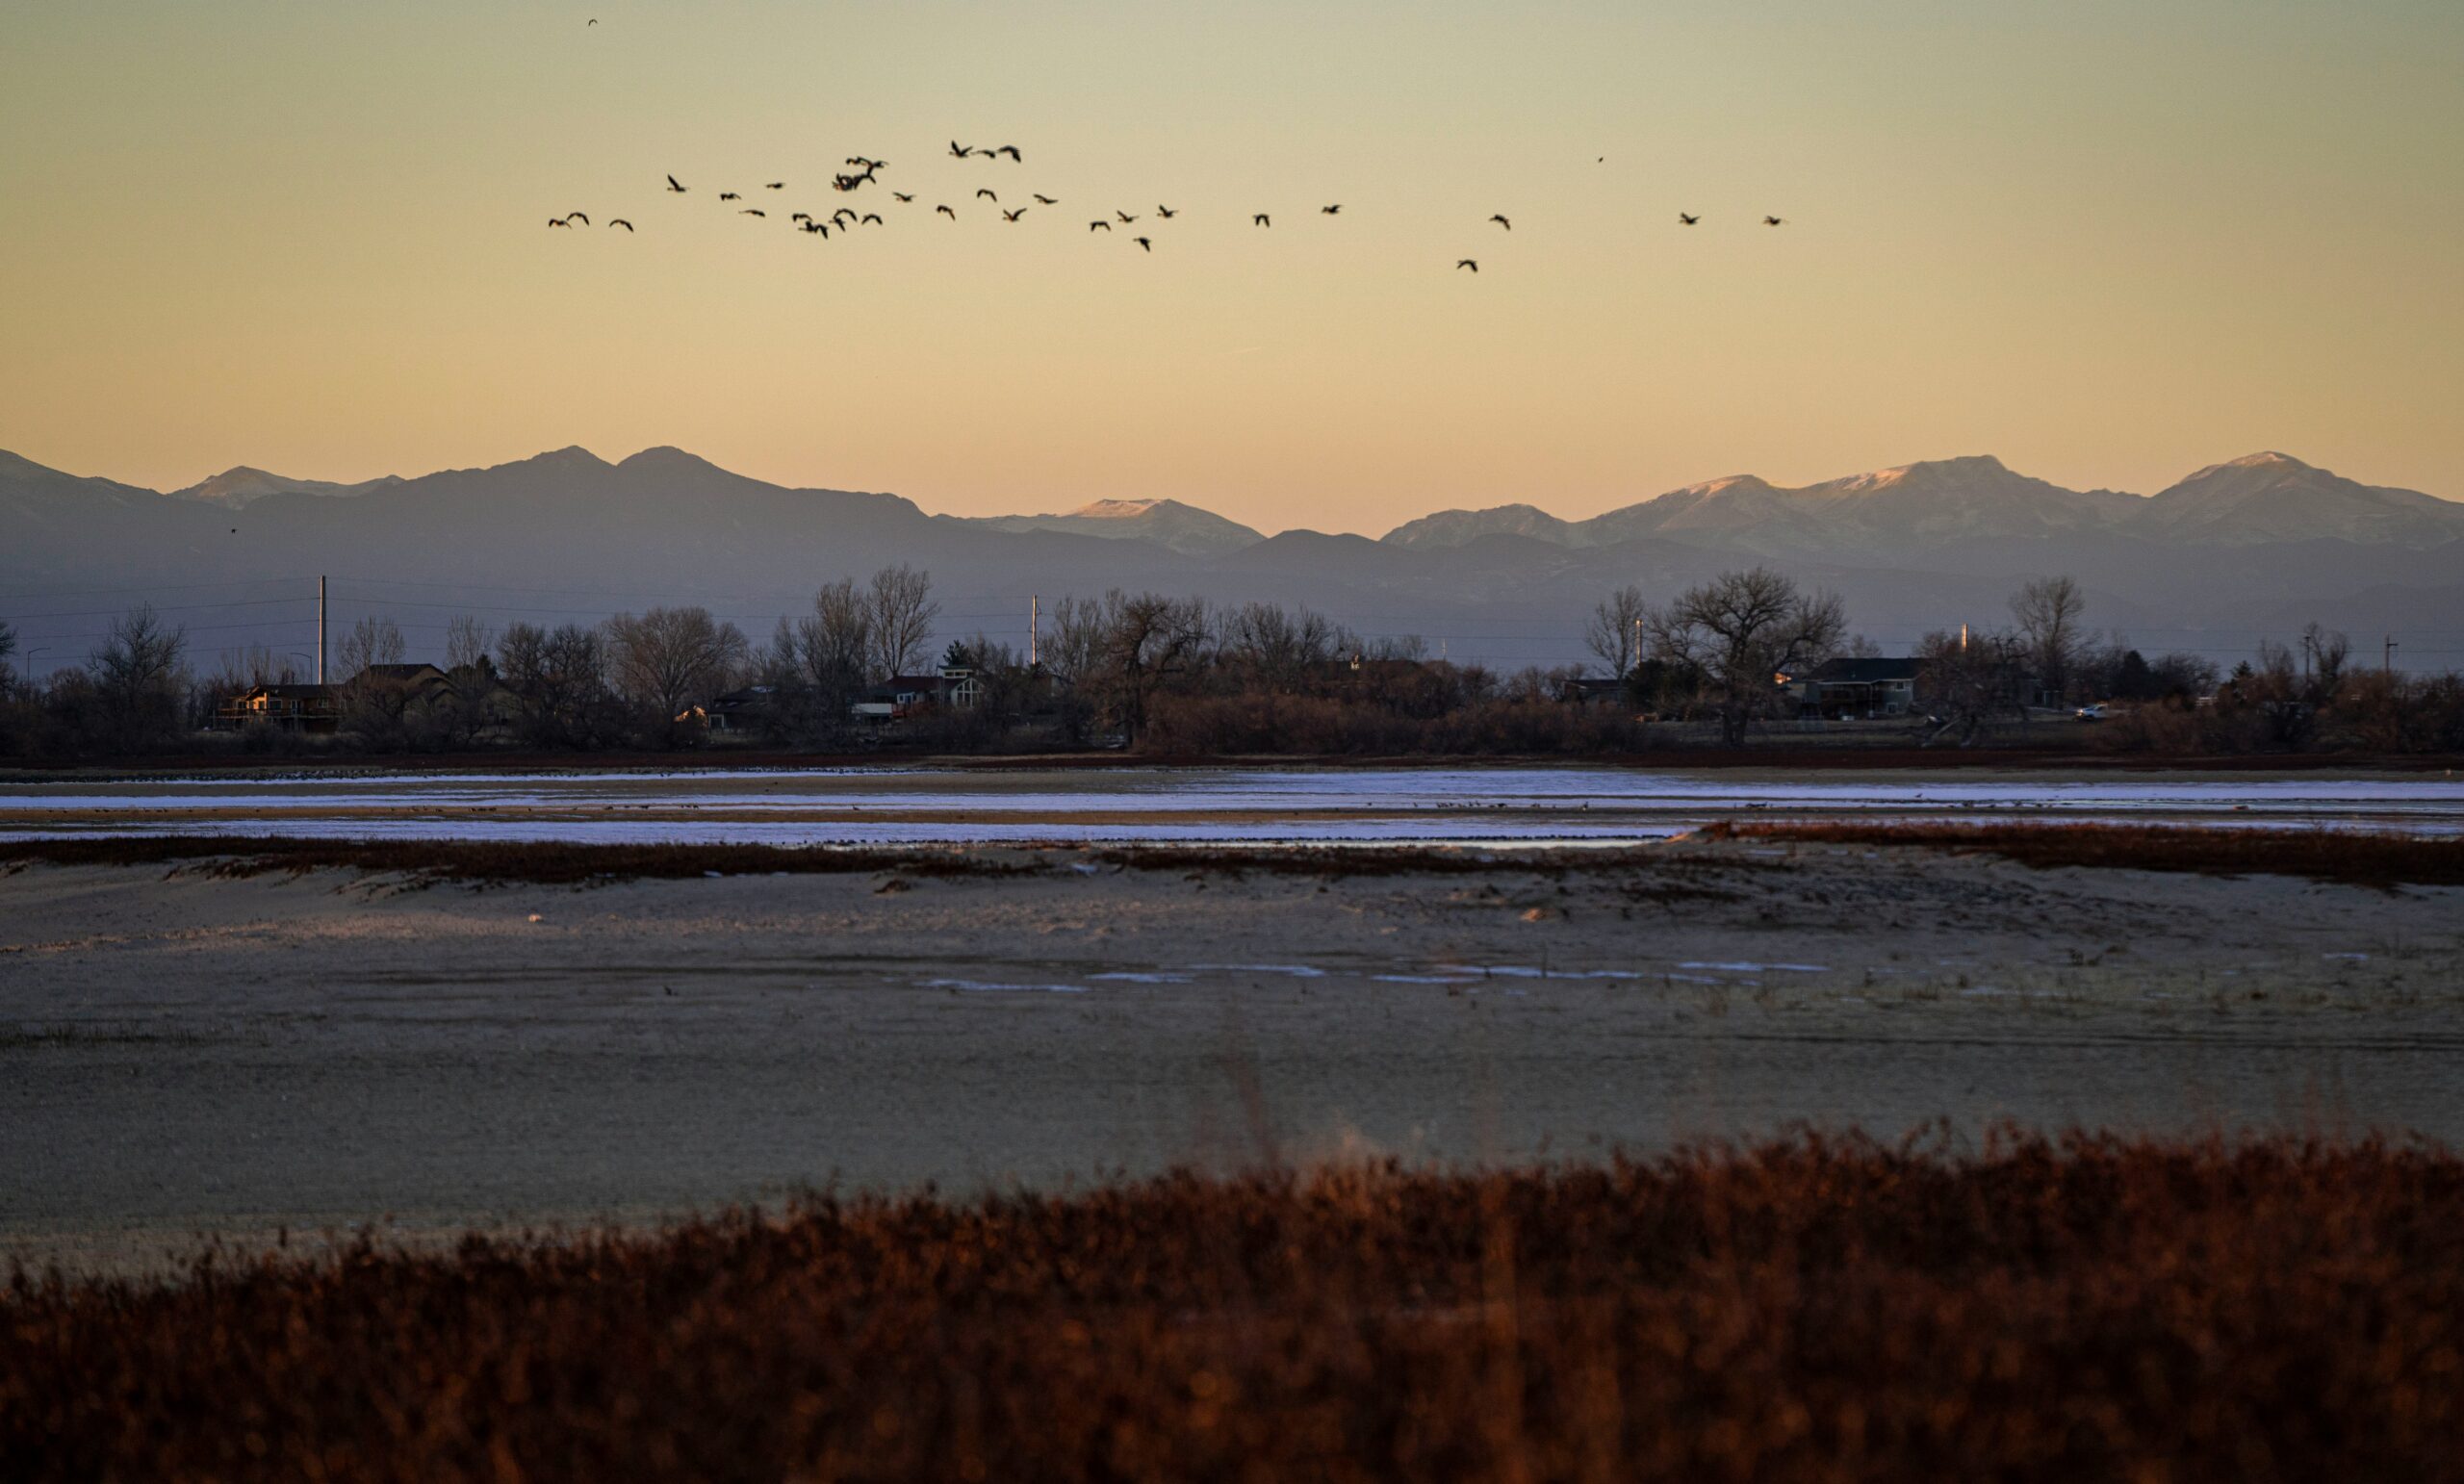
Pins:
<point x="185" y="1052"/>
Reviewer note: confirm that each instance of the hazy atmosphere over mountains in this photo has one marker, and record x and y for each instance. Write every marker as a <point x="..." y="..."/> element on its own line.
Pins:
<point x="2233" y="553"/>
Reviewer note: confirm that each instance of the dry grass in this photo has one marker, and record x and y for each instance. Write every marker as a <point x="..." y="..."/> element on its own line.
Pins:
<point x="2349" y="857"/>
<point x="2087" y="1309"/>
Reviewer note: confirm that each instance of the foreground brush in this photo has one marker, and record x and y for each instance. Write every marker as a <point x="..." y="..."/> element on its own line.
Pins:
<point x="2083" y="1309"/>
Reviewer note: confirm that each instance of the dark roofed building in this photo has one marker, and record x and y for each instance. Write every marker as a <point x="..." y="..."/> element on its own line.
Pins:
<point x="1845" y="687"/>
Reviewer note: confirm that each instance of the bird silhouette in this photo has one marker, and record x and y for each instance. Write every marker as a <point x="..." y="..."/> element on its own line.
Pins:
<point x="1687" y="219"/>
<point x="776" y="184"/>
<point x="585" y="220"/>
<point x="958" y="151"/>
<point x="866" y="165"/>
<point x="618" y="222"/>
<point x="1126" y="217"/>
<point x="1467" y="263"/>
<point x="844" y="211"/>
<point x="1770" y="221"/>
<point x="1260" y="219"/>
<point x="1166" y="212"/>
<point x="1043" y="199"/>
<point x="900" y="196"/>
<point x="730" y="195"/>
<point x="753" y="211"/>
<point x="673" y="186"/>
<point x="1144" y="242"/>
<point x="594" y="20"/>
<point x="1099" y="222"/>
<point x="946" y="212"/>
<point x="874" y="217"/>
<point x="1335" y="210"/>
<point x="558" y="221"/>
<point x="1500" y="220"/>
<point x="822" y="227"/>
<point x="800" y="215"/>
<point x="983" y="194"/>
<point x="1012" y="150"/>
<point x="1014" y="216"/>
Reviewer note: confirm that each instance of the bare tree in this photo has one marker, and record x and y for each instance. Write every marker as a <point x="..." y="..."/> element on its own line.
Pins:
<point x="901" y="608"/>
<point x="1275" y="647"/>
<point x="375" y="640"/>
<point x="1071" y="651"/>
<point x="8" y="652"/>
<point x="1151" y="638"/>
<point x="2324" y="652"/>
<point x="1741" y="631"/>
<point x="558" y="679"/>
<point x="669" y="659"/>
<point x="137" y="687"/>
<point x="1615" y="631"/>
<point x="2050" y="612"/>
<point x="1969" y="680"/>
<point x="467" y="642"/>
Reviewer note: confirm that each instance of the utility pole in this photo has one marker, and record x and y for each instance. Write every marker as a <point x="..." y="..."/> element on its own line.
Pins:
<point x="321" y="628"/>
<point x="2387" y="656"/>
<point x="1638" y="645"/>
<point x="1034" y="621"/>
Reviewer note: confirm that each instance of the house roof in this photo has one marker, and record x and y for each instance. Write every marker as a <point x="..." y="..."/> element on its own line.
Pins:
<point x="402" y="673"/>
<point x="1865" y="672"/>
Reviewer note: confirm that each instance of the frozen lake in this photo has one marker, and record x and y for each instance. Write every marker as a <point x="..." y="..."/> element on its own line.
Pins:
<point x="1506" y="804"/>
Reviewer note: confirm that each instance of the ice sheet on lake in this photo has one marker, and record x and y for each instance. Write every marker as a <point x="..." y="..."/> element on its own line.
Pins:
<point x="1509" y="806"/>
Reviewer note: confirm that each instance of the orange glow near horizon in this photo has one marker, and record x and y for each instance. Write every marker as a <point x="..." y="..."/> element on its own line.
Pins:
<point x="2108" y="242"/>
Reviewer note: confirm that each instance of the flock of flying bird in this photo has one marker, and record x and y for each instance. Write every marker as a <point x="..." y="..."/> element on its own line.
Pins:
<point x="862" y="171"/>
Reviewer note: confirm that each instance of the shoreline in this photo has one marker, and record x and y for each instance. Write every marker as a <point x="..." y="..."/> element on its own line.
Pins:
<point x="1779" y="761"/>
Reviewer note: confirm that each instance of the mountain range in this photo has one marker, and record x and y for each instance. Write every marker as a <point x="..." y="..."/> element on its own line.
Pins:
<point x="2233" y="553"/>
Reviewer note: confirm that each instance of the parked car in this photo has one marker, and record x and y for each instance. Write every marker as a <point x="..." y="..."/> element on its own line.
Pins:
<point x="2090" y="714"/>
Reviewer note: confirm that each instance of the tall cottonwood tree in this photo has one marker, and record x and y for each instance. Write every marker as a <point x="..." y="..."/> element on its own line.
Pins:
<point x="900" y="609"/>
<point x="1614" y="631"/>
<point x="669" y="660"/>
<point x="1740" y="632"/>
<point x="2051" y="614"/>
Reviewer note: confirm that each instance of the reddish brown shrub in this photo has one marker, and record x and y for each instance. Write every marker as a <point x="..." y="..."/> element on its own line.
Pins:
<point x="2087" y="1309"/>
<point x="2354" y="856"/>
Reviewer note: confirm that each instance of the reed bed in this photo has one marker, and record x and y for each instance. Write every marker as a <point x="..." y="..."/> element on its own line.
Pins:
<point x="2081" y="1308"/>
<point x="2353" y="857"/>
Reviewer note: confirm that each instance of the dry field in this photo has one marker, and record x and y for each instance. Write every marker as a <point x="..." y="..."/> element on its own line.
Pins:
<point x="2089" y="1309"/>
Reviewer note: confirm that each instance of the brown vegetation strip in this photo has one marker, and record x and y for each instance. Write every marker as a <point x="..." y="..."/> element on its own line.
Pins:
<point x="2087" y="1309"/>
<point x="2350" y="856"/>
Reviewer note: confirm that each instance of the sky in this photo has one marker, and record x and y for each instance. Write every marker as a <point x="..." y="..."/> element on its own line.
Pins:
<point x="2108" y="241"/>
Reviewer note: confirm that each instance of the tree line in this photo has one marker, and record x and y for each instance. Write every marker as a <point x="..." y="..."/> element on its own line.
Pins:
<point x="1180" y="675"/>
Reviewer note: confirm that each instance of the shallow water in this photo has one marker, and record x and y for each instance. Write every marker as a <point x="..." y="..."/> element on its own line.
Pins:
<point x="893" y="806"/>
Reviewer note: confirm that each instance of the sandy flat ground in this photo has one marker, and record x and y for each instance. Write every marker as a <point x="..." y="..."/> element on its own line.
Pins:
<point x="195" y="1053"/>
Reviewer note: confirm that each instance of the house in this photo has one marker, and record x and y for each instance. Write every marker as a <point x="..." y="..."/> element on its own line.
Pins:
<point x="412" y="682"/>
<point x="1591" y="690"/>
<point x="1840" y="689"/>
<point x="738" y="710"/>
<point x="899" y="698"/>
<point x="290" y="707"/>
<point x="903" y="697"/>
